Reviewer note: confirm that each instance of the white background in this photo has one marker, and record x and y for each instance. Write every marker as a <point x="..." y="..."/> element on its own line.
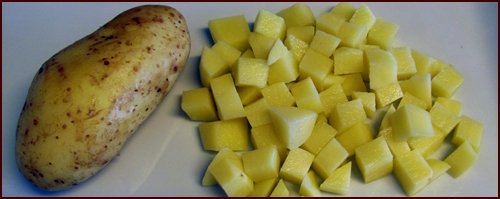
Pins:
<point x="165" y="157"/>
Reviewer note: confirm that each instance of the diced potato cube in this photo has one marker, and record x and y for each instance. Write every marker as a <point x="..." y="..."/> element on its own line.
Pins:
<point x="261" y="45"/>
<point x="331" y="97"/>
<point x="316" y="66"/>
<point x="285" y="69"/>
<point x="344" y="10"/>
<point x="306" y="96"/>
<point x="397" y="148"/>
<point x="353" y="82"/>
<point x="437" y="66"/>
<point x="339" y="181"/>
<point x="410" y="99"/>
<point x="280" y="190"/>
<point x="277" y="52"/>
<point x="443" y="118"/>
<point x="411" y="121"/>
<point x="231" y="134"/>
<point x="251" y="72"/>
<point x="231" y="177"/>
<point x="198" y="104"/>
<point x="233" y="30"/>
<point x="422" y="62"/>
<point x="382" y="33"/>
<point x="324" y="43"/>
<point x="321" y="135"/>
<point x="352" y="35"/>
<point x="438" y="167"/>
<point x="225" y="153"/>
<point x="263" y="136"/>
<point x="406" y="64"/>
<point x="382" y="68"/>
<point x="347" y="114"/>
<point x="278" y="95"/>
<point x="270" y="24"/>
<point x="388" y="94"/>
<point x="368" y="101"/>
<point x="257" y="113"/>
<point x="454" y="106"/>
<point x="374" y="159"/>
<point x="296" y="165"/>
<point x="329" y="158"/>
<point x="348" y="60"/>
<point x="227" y="52"/>
<point x="386" y="122"/>
<point x="322" y="118"/>
<point x="299" y="14"/>
<point x="363" y="16"/>
<point x="263" y="188"/>
<point x="248" y="53"/>
<point x="461" y="159"/>
<point x="354" y="137"/>
<point x="309" y="186"/>
<point x="226" y="98"/>
<point x="331" y="79"/>
<point x="329" y="23"/>
<point x="211" y="66"/>
<point x="296" y="46"/>
<point x="261" y="164"/>
<point x="248" y="94"/>
<point x="446" y="82"/>
<point x="427" y="145"/>
<point x="412" y="172"/>
<point x="304" y="33"/>
<point x="292" y="125"/>
<point x="420" y="87"/>
<point x="468" y="130"/>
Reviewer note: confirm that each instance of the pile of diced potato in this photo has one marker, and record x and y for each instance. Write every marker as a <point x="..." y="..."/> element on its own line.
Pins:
<point x="304" y="91"/>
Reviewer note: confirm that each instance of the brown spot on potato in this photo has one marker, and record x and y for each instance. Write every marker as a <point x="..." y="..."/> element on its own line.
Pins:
<point x="109" y="37"/>
<point x="57" y="137"/>
<point x="35" y="122"/>
<point x="157" y="19"/>
<point x="40" y="70"/>
<point x="26" y="132"/>
<point x="68" y="89"/>
<point x="64" y="126"/>
<point x="106" y="62"/>
<point x="137" y="20"/>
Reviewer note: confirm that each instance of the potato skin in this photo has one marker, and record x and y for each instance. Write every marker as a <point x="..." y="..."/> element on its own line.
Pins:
<point x="87" y="99"/>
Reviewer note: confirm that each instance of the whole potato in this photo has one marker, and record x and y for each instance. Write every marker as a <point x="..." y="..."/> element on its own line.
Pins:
<point x="86" y="100"/>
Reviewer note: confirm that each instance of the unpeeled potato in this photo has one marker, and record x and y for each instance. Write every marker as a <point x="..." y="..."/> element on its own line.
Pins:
<point x="85" y="101"/>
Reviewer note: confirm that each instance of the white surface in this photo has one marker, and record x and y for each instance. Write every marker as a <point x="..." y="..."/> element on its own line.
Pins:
<point x="165" y="157"/>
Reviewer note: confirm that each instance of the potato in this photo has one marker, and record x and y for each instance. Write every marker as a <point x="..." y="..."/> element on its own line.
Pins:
<point x="89" y="98"/>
